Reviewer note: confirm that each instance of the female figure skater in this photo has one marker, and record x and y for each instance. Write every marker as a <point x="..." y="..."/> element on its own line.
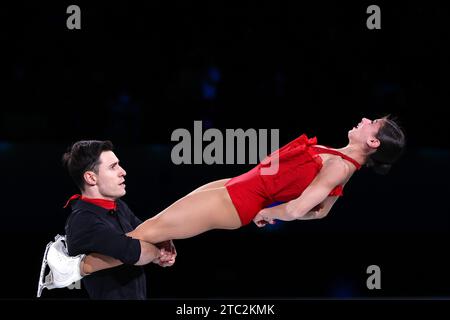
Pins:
<point x="309" y="181"/>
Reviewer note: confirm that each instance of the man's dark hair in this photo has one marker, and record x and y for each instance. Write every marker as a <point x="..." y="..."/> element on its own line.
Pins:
<point x="84" y="156"/>
<point x="392" y="144"/>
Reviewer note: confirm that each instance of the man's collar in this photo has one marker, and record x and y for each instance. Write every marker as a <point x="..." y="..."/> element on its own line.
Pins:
<point x="102" y="203"/>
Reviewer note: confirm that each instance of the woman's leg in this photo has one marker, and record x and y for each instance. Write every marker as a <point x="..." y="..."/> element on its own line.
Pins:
<point x="196" y="213"/>
<point x="94" y="262"/>
<point x="216" y="200"/>
<point x="212" y="185"/>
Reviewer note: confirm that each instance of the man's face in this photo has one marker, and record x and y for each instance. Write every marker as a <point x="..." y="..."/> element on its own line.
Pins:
<point x="111" y="176"/>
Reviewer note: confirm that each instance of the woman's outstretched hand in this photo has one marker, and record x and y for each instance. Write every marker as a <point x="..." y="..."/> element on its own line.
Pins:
<point x="263" y="218"/>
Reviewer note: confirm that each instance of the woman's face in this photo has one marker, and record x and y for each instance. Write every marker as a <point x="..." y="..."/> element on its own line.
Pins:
<point x="366" y="131"/>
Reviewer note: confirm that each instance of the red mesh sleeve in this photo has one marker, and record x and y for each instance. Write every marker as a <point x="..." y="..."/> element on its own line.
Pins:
<point x="338" y="191"/>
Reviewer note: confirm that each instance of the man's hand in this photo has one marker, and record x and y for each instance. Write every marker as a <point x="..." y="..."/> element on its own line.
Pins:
<point x="263" y="218"/>
<point x="168" y="254"/>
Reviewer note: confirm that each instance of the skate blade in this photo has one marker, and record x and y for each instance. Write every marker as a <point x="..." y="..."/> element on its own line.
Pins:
<point x="48" y="278"/>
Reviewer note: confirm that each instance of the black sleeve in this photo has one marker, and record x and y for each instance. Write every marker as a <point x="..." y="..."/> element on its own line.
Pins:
<point x="86" y="234"/>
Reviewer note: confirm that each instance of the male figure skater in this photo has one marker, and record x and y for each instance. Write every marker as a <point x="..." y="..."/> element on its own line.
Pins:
<point x="99" y="222"/>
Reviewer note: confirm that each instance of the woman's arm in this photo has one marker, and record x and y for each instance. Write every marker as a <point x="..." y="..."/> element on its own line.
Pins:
<point x="321" y="210"/>
<point x="314" y="202"/>
<point x="267" y="215"/>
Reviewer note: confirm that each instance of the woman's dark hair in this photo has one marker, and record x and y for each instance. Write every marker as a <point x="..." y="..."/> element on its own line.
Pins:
<point x="392" y="144"/>
<point x="84" y="156"/>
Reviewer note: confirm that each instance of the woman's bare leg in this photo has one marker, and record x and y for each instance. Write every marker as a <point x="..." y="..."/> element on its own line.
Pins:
<point x="212" y="185"/>
<point x="194" y="214"/>
<point x="95" y="262"/>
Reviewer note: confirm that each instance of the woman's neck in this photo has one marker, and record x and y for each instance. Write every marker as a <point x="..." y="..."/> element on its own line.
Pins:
<point x="354" y="152"/>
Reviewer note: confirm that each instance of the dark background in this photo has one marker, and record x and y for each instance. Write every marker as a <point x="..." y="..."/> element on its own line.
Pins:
<point x="136" y="72"/>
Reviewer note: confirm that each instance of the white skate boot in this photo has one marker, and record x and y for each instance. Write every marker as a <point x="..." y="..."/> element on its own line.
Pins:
<point x="64" y="269"/>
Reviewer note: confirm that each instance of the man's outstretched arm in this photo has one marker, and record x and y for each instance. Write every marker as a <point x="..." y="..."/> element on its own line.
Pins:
<point x="163" y="255"/>
<point x="149" y="253"/>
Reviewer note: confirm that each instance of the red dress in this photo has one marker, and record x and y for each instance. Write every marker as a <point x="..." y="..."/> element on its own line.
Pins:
<point x="299" y="163"/>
